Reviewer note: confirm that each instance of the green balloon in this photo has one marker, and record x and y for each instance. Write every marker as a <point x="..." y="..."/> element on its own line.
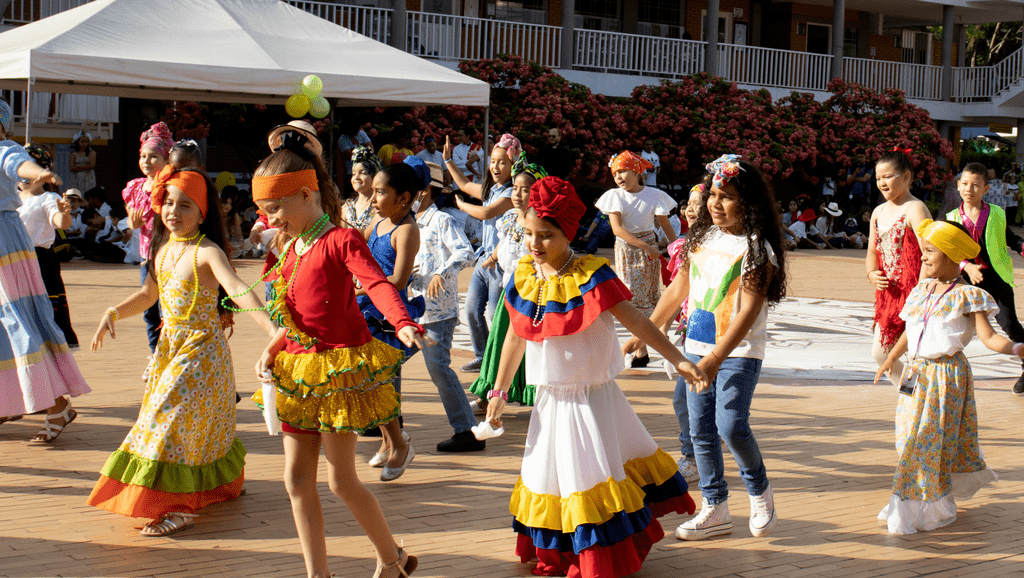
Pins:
<point x="312" y="85"/>
<point x="319" y="107"/>
<point x="297" y="105"/>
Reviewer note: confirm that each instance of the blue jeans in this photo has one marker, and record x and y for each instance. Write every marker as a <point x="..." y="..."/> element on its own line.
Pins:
<point x="484" y="289"/>
<point x="438" y="359"/>
<point x="152" y="315"/>
<point x="683" y="415"/>
<point x="724" y="410"/>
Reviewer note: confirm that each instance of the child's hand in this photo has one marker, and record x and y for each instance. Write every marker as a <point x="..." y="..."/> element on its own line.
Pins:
<point x="879" y="280"/>
<point x="436" y="287"/>
<point x="696" y="380"/>
<point x="495" y="406"/>
<point x="265" y="362"/>
<point x="106" y="325"/>
<point x="974" y="273"/>
<point x="709" y="365"/>
<point x="652" y="252"/>
<point x="883" y="369"/>
<point x="64" y="207"/>
<point x="413" y="338"/>
<point x="449" y="148"/>
<point x="632" y="345"/>
<point x="48" y="176"/>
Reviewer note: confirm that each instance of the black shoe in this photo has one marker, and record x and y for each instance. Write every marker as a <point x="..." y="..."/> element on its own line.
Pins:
<point x="640" y="361"/>
<point x="472" y="366"/>
<point x="238" y="398"/>
<point x="1018" y="387"/>
<point x="463" y="441"/>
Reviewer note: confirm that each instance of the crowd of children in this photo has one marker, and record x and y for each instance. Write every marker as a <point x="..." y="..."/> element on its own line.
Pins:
<point x="358" y="287"/>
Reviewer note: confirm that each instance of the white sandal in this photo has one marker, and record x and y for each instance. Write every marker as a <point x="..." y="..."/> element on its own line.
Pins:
<point x="405" y="564"/>
<point x="52" y="431"/>
<point x="167" y="525"/>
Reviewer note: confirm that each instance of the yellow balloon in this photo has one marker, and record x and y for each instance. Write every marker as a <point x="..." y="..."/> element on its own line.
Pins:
<point x="312" y="85"/>
<point x="297" y="105"/>
<point x="319" y="107"/>
<point x="224" y="179"/>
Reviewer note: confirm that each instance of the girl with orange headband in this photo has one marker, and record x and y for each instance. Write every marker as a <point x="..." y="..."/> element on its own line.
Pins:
<point x="936" y="419"/>
<point x="635" y="210"/>
<point x="182" y="453"/>
<point x="332" y="378"/>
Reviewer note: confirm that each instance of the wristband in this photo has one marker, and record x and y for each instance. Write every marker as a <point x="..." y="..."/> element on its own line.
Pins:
<point x="497" y="393"/>
<point x="446" y="161"/>
<point x="1016" y="348"/>
<point x="112" y="312"/>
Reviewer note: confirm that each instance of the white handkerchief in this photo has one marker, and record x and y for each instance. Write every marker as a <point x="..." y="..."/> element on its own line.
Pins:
<point x="483" y="431"/>
<point x="670" y="369"/>
<point x="270" y="404"/>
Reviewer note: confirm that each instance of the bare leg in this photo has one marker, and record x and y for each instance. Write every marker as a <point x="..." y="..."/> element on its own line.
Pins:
<point x="302" y="455"/>
<point x="879" y="353"/>
<point x="340" y="449"/>
<point x="58" y="406"/>
<point x="392" y="433"/>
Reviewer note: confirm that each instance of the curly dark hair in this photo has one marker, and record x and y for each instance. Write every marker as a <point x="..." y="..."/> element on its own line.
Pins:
<point x="757" y="215"/>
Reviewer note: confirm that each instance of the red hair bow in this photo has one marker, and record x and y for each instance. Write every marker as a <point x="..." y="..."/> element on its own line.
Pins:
<point x="904" y="151"/>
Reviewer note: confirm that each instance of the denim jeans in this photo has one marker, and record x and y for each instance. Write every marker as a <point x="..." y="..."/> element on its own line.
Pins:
<point x="724" y="410"/>
<point x="484" y="290"/>
<point x="683" y="415"/>
<point x="438" y="359"/>
<point x="152" y="315"/>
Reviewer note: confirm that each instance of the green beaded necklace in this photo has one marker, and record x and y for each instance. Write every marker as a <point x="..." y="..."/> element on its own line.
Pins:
<point x="313" y="232"/>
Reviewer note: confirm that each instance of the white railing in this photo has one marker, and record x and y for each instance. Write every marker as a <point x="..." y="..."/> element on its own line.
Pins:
<point x="25" y="11"/>
<point x="918" y="81"/>
<point x="974" y="83"/>
<point x="772" y="67"/>
<point x="62" y="117"/>
<point x="448" y="37"/>
<point x="1009" y="71"/>
<point x="633" y="53"/>
<point x="371" y="22"/>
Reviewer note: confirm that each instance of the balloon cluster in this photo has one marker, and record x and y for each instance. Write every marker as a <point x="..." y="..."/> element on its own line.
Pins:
<point x="308" y="99"/>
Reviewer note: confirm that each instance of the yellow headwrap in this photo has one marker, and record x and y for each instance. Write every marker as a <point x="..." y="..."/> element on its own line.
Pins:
<point x="950" y="239"/>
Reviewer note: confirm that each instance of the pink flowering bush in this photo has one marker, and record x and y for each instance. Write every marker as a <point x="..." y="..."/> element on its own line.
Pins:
<point x="187" y="120"/>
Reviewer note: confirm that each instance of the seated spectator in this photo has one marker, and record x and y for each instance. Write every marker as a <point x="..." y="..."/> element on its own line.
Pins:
<point x="97" y="244"/>
<point x="96" y="199"/>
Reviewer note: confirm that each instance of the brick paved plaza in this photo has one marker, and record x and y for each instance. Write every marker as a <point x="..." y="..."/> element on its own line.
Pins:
<point x="828" y="447"/>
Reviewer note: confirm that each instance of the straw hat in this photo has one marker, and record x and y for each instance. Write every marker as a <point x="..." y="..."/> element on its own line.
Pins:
<point x="314" y="144"/>
<point x="833" y="209"/>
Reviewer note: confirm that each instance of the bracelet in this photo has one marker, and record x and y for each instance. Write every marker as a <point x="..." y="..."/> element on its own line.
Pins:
<point x="446" y="161"/>
<point x="112" y="312"/>
<point x="497" y="393"/>
<point x="1016" y="348"/>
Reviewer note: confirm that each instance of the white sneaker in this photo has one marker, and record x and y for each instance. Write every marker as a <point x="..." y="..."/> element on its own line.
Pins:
<point x="478" y="406"/>
<point x="711" y="521"/>
<point x="688" y="469"/>
<point x="762" y="513"/>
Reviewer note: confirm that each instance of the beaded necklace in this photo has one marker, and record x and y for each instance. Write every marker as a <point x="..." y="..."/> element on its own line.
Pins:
<point x="541" y="309"/>
<point x="195" y="274"/>
<point x="313" y="232"/>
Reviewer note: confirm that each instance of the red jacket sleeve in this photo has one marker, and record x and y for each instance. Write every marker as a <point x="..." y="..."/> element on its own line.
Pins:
<point x="361" y="263"/>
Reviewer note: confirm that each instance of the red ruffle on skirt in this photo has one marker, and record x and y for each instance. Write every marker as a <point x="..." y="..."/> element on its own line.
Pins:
<point x="889" y="301"/>
<point x="619" y="559"/>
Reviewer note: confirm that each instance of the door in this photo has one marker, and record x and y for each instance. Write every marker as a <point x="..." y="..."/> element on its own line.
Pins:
<point x="819" y="38"/>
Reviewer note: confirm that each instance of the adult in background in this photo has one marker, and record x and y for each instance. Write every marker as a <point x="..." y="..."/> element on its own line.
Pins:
<point x="397" y="149"/>
<point x="858" y="179"/>
<point x="465" y="159"/>
<point x="556" y="159"/>
<point x="430" y="152"/>
<point x="82" y="162"/>
<point x="648" y="154"/>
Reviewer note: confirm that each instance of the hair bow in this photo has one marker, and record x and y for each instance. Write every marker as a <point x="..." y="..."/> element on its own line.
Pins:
<point x="533" y="169"/>
<point x="511" y="145"/>
<point x="78" y="136"/>
<point x="364" y="156"/>
<point x="904" y="151"/>
<point x="724" y="168"/>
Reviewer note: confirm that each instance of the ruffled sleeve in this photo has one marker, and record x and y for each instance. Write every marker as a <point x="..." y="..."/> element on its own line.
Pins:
<point x="971" y="299"/>
<point x="664" y="203"/>
<point x="610" y="202"/>
<point x="571" y="302"/>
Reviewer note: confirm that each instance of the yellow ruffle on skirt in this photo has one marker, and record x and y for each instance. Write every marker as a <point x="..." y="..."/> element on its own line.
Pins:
<point x="345" y="389"/>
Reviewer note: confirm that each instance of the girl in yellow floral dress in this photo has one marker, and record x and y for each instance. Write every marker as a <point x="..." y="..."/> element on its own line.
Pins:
<point x="182" y="453"/>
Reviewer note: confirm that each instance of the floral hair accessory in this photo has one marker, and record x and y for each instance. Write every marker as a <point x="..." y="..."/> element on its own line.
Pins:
<point x="158" y="138"/>
<point x="698" y="188"/>
<point x="533" y="169"/>
<point x="628" y="161"/>
<point x="192" y="183"/>
<point x="364" y="156"/>
<point x="554" y="198"/>
<point x="724" y="168"/>
<point x="5" y="115"/>
<point x="511" y="145"/>
<point x="39" y="155"/>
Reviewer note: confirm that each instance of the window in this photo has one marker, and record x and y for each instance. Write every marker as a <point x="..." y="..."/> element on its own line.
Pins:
<point x="527" y="11"/>
<point x="917" y="47"/>
<point x="598" y="15"/>
<point x="659" y="18"/>
<point x="850" y="42"/>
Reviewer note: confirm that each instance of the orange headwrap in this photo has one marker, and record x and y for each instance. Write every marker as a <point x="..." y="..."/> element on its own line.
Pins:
<point x="192" y="183"/>
<point x="285" y="185"/>
<point x="627" y="161"/>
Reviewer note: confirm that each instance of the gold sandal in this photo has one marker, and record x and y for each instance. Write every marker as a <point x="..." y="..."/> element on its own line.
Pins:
<point x="405" y="564"/>
<point x="167" y="525"/>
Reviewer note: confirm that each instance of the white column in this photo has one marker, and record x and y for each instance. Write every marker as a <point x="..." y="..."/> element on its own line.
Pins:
<point x="711" y="37"/>
<point x="838" y="18"/>
<point x="568" y="34"/>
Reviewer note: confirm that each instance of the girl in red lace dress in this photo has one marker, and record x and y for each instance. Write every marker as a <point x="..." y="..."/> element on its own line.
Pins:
<point x="894" y="254"/>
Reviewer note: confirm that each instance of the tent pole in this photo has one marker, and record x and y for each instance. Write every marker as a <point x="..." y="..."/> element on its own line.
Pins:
<point x="487" y="128"/>
<point x="28" y="109"/>
<point x="330" y="150"/>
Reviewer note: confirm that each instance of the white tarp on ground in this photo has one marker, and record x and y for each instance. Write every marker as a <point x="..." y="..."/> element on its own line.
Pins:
<point x="219" y="50"/>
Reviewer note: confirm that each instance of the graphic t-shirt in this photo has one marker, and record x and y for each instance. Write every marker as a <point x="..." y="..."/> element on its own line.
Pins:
<point x="716" y="274"/>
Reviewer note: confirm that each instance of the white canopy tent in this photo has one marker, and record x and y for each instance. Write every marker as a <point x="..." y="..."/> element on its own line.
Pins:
<point x="251" y="51"/>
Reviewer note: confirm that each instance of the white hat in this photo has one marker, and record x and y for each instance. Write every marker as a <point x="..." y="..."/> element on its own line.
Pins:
<point x="833" y="209"/>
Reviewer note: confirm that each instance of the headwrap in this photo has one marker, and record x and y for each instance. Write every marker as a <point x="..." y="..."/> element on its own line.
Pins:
<point x="192" y="183"/>
<point x="953" y="242"/>
<point x="158" y="138"/>
<point x="698" y="188"/>
<point x="284" y="185"/>
<point x="554" y="198"/>
<point x="511" y="145"/>
<point x="724" y="168"/>
<point x="533" y="169"/>
<point x="40" y="155"/>
<point x="364" y="156"/>
<point x="78" y="136"/>
<point x="628" y="161"/>
<point x="421" y="169"/>
<point x="6" y="114"/>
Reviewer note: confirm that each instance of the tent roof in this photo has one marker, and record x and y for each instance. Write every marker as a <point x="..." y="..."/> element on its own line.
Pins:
<point x="221" y="51"/>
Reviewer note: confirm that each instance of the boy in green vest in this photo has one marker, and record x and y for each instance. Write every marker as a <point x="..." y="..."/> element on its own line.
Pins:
<point x="992" y="270"/>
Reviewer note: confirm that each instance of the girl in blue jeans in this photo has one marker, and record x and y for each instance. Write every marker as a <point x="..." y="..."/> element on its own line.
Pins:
<point x="736" y="269"/>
